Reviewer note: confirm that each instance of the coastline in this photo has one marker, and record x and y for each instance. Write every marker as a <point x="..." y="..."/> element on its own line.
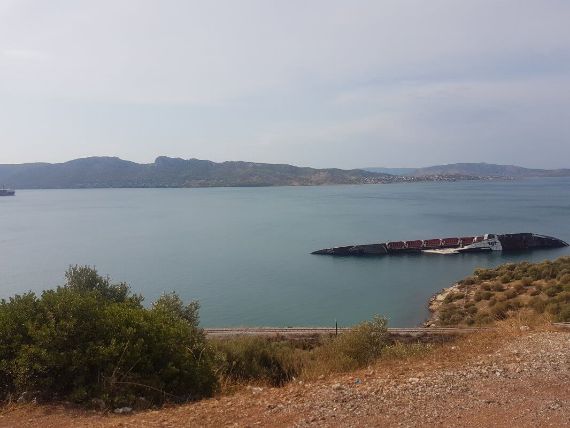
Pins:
<point x="436" y="301"/>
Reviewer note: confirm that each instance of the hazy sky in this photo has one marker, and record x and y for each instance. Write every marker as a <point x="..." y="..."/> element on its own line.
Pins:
<point x="317" y="83"/>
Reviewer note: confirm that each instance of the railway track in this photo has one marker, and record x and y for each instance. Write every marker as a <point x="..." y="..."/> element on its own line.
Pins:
<point x="562" y="325"/>
<point x="313" y="331"/>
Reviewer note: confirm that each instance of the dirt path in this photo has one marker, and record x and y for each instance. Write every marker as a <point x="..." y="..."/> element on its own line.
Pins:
<point x="517" y="380"/>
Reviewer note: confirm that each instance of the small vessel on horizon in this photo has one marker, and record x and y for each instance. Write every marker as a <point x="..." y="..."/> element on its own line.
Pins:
<point x="7" y="192"/>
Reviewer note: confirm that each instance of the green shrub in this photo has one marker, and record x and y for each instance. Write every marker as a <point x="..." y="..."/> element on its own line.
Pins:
<point x="552" y="291"/>
<point x="483" y="318"/>
<point x="356" y="348"/>
<point x="256" y="359"/>
<point x="471" y="310"/>
<point x="563" y="297"/>
<point x="552" y="308"/>
<point x="482" y="295"/>
<point x="485" y="274"/>
<point x="470" y="280"/>
<point x="90" y="338"/>
<point x="535" y="292"/>
<point x="451" y="297"/>
<point x="537" y="304"/>
<point x="501" y="309"/>
<point x="497" y="286"/>
<point x="451" y="315"/>
<point x="564" y="314"/>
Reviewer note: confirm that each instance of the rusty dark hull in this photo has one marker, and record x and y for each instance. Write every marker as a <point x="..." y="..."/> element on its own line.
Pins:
<point x="508" y="241"/>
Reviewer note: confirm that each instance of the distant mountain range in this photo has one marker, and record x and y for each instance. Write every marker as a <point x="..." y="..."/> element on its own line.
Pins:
<point x="102" y="172"/>
<point x="393" y="171"/>
<point x="475" y="170"/>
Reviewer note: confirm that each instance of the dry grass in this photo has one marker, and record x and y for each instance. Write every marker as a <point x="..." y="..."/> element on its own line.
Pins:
<point x="244" y="361"/>
<point x="354" y="351"/>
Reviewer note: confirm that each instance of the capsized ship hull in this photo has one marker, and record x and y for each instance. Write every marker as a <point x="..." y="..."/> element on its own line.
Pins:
<point x="454" y="245"/>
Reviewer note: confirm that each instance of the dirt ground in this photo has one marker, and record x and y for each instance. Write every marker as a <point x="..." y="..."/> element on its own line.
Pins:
<point x="516" y="378"/>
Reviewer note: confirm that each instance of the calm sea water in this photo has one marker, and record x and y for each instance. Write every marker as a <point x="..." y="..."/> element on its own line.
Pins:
<point x="244" y="252"/>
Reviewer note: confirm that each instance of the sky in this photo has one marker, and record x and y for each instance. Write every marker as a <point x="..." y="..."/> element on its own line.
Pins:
<point x="402" y="83"/>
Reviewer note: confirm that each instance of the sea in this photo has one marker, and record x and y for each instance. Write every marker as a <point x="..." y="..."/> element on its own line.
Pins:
<point x="244" y="253"/>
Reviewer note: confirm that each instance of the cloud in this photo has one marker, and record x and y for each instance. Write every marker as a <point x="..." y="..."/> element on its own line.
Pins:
<point x="291" y="81"/>
<point x="24" y="55"/>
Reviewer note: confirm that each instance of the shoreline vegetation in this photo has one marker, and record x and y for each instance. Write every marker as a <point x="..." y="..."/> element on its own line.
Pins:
<point x="495" y="294"/>
<point x="92" y="343"/>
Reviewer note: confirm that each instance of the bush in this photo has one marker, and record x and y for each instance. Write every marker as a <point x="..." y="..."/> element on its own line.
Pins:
<point x="564" y="314"/>
<point x="451" y="315"/>
<point x="256" y="359"/>
<point x="90" y="338"/>
<point x="483" y="318"/>
<point x="485" y="274"/>
<point x="482" y="295"/>
<point x="470" y="280"/>
<point x="451" y="297"/>
<point x="552" y="308"/>
<point x="356" y="348"/>
<point x="471" y="310"/>
<point x="552" y="291"/>
<point x="563" y="297"/>
<point x="497" y="286"/>
<point x="538" y="304"/>
<point x="501" y="309"/>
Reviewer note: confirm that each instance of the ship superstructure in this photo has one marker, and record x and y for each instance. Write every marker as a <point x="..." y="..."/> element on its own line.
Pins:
<point x="7" y="192"/>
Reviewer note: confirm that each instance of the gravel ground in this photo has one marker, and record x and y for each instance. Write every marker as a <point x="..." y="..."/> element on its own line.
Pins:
<point x="518" y="380"/>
